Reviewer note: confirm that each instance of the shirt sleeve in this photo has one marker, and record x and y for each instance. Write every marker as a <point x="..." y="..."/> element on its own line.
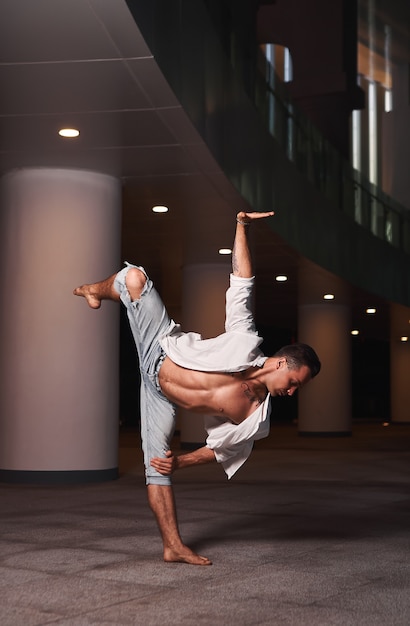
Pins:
<point x="239" y="315"/>
<point x="233" y="443"/>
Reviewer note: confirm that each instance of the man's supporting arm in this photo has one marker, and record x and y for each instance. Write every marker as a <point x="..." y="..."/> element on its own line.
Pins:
<point x="170" y="463"/>
<point x="241" y="255"/>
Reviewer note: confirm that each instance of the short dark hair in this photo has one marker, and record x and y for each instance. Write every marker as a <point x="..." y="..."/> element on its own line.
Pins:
<point x="299" y="354"/>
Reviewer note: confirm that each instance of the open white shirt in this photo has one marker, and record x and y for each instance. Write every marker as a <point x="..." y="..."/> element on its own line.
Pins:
<point x="233" y="351"/>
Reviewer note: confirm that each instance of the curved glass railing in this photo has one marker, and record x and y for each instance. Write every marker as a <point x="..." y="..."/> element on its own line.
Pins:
<point x="324" y="166"/>
<point x="175" y="41"/>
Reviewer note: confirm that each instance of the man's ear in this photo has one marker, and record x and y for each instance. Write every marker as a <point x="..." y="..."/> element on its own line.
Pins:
<point x="282" y="362"/>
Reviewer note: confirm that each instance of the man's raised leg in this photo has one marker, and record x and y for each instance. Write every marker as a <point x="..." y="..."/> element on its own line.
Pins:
<point x="94" y="293"/>
<point x="162" y="503"/>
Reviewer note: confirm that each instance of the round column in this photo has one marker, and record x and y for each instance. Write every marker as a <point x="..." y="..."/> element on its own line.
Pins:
<point x="399" y="363"/>
<point x="59" y="358"/>
<point x="324" y="407"/>
<point x="203" y="306"/>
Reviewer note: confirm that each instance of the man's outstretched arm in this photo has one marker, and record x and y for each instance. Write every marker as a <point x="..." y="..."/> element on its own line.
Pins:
<point x="170" y="463"/>
<point x="241" y="255"/>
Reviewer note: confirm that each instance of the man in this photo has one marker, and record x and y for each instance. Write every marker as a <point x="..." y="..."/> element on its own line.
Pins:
<point x="226" y="378"/>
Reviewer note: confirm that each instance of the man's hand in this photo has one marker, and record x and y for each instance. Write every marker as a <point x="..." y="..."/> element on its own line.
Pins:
<point x="165" y="466"/>
<point x="170" y="463"/>
<point x="241" y="254"/>
<point x="246" y="218"/>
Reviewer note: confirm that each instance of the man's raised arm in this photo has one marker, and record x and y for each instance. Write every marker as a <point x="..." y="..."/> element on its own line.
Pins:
<point x="241" y="255"/>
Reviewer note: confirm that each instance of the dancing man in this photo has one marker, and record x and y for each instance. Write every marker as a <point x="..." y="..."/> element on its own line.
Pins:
<point x="227" y="379"/>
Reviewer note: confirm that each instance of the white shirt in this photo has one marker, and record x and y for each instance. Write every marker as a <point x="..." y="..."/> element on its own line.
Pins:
<point x="233" y="351"/>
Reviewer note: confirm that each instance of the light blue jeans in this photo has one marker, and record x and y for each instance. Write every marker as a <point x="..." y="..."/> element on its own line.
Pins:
<point x="149" y="320"/>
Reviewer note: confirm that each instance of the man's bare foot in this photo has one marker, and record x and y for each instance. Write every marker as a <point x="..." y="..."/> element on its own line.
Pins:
<point x="185" y="555"/>
<point x="86" y="291"/>
<point x="95" y="293"/>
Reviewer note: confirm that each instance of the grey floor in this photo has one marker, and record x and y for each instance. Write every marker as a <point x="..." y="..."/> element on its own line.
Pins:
<point x="310" y="532"/>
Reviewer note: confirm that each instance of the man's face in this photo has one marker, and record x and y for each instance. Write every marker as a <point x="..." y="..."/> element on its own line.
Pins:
<point x="284" y="382"/>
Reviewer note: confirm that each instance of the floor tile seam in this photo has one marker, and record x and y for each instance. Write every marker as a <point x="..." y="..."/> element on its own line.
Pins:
<point x="91" y="552"/>
<point x="89" y="545"/>
<point x="91" y="612"/>
<point x="14" y="586"/>
<point x="316" y="602"/>
<point x="365" y="609"/>
<point x="78" y="570"/>
<point x="80" y="575"/>
<point x="151" y="587"/>
<point x="108" y="550"/>
<point x="55" y="618"/>
<point x="18" y="542"/>
<point x="69" y="539"/>
<point x="101" y="607"/>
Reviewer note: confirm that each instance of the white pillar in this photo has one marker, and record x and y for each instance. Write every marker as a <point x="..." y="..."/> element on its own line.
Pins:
<point x="58" y="359"/>
<point x="324" y="405"/>
<point x="399" y="363"/>
<point x="203" y="307"/>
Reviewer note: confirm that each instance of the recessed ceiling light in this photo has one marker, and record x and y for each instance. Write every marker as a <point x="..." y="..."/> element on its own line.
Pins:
<point x="281" y="278"/>
<point x="354" y="332"/>
<point x="225" y="251"/>
<point x="328" y="296"/>
<point x="159" y="208"/>
<point x="371" y="311"/>
<point x="68" y="132"/>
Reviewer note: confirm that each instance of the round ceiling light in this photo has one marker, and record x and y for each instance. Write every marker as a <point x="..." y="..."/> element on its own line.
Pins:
<point x="68" y="132"/>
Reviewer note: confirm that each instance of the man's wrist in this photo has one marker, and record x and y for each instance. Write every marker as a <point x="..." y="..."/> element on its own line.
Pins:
<point x="242" y="222"/>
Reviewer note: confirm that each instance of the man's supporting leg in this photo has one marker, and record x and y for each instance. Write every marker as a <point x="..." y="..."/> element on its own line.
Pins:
<point x="162" y="502"/>
<point x="160" y="497"/>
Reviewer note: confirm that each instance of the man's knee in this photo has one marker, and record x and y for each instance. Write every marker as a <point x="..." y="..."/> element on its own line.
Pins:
<point x="135" y="282"/>
<point x="162" y="481"/>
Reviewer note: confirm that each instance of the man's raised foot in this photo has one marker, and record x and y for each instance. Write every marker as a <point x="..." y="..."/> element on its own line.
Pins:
<point x="85" y="291"/>
<point x="94" y="293"/>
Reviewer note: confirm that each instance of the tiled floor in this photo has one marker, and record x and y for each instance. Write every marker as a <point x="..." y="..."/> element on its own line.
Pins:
<point x="311" y="532"/>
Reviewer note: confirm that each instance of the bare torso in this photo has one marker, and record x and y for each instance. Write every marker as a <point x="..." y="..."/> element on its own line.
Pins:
<point x="234" y="396"/>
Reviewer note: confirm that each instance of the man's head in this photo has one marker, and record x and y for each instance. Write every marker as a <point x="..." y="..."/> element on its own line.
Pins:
<point x="298" y="354"/>
<point x="291" y="368"/>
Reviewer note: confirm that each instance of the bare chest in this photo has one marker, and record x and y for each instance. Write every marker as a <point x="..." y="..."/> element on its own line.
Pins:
<point x="224" y="394"/>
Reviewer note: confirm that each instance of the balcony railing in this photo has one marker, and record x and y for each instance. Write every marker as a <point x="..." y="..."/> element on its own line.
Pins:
<point x="324" y="166"/>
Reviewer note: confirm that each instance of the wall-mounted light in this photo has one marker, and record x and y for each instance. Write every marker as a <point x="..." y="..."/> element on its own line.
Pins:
<point x="281" y="278"/>
<point x="404" y="338"/>
<point x="328" y="296"/>
<point x="371" y="310"/>
<point x="354" y="332"/>
<point x="159" y="208"/>
<point x="225" y="251"/>
<point x="69" y="132"/>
